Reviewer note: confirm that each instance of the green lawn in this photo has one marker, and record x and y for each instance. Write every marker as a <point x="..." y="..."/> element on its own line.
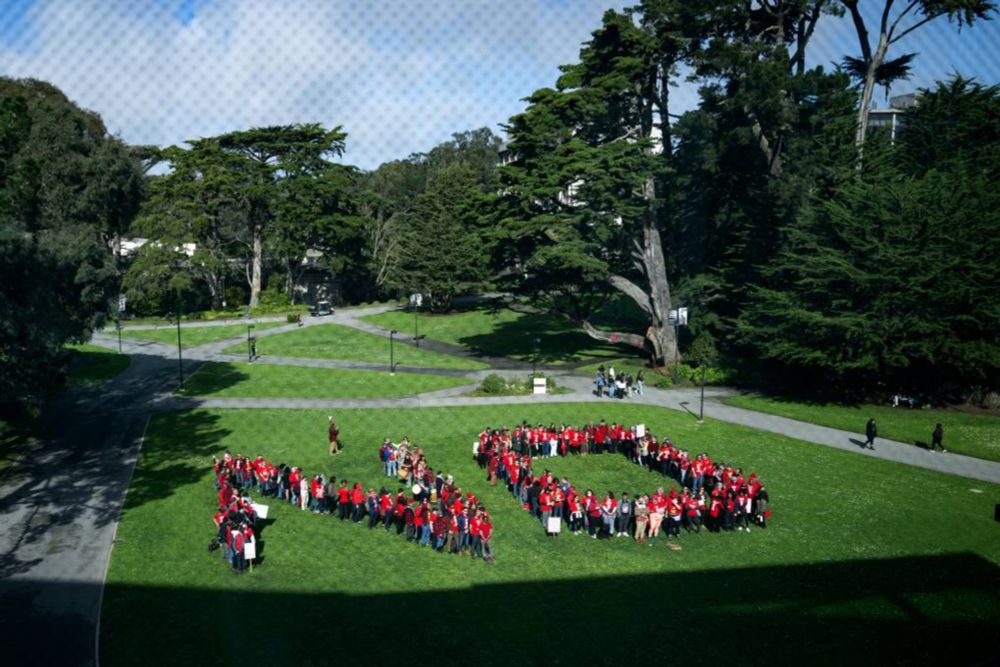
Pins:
<point x="503" y="333"/>
<point x="865" y="562"/>
<point x="972" y="435"/>
<point x="244" y="380"/>
<point x="91" y="363"/>
<point x="195" y="336"/>
<point x="335" y="341"/>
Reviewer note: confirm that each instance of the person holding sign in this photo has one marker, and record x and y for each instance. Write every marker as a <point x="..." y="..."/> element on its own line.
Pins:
<point x="334" y="433"/>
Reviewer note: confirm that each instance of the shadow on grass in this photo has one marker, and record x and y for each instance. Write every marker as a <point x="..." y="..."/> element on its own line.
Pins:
<point x="558" y="342"/>
<point x="167" y="462"/>
<point x="75" y="477"/>
<point x="910" y="610"/>
<point x="213" y="377"/>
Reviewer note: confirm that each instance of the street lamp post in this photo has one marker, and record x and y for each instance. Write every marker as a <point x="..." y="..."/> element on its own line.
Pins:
<point x="701" y="411"/>
<point x="118" y="325"/>
<point x="392" y="357"/>
<point x="249" y="344"/>
<point x="180" y="360"/>
<point x="534" y="355"/>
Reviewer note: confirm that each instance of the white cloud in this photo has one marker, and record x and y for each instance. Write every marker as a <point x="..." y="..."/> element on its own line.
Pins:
<point x="399" y="77"/>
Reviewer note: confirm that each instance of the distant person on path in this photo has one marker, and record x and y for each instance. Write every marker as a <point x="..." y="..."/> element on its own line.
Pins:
<point x="334" y="437"/>
<point x="937" y="438"/>
<point x="871" y="431"/>
<point x="640" y="380"/>
<point x="599" y="381"/>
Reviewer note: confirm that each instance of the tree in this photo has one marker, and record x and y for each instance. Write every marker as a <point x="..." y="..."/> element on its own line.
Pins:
<point x="583" y="197"/>
<point x="873" y="68"/>
<point x="195" y="204"/>
<point x="269" y="167"/>
<point x="879" y="288"/>
<point x="66" y="190"/>
<point x="388" y="192"/>
<point x="441" y="248"/>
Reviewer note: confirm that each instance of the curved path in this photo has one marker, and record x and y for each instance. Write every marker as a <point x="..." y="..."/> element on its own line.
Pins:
<point x="59" y="507"/>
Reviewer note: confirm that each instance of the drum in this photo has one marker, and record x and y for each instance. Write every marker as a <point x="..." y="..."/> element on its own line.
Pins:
<point x="417" y="489"/>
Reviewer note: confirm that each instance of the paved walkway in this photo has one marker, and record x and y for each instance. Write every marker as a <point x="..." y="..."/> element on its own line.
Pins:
<point x="59" y="508"/>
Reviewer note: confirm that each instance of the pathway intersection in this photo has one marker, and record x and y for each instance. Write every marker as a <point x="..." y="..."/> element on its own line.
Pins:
<point x="59" y="507"/>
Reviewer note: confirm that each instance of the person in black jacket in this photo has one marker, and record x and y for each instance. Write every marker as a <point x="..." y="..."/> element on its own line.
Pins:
<point x="937" y="438"/>
<point x="871" y="430"/>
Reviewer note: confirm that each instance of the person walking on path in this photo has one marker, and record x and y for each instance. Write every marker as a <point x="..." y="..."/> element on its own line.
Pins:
<point x="334" y="437"/>
<point x="937" y="438"/>
<point x="871" y="431"/>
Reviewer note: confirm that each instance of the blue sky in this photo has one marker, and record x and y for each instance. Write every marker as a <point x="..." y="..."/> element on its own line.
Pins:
<point x="399" y="76"/>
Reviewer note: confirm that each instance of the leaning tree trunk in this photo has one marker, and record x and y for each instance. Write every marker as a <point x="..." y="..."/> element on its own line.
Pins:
<point x="867" y="92"/>
<point x="256" y="263"/>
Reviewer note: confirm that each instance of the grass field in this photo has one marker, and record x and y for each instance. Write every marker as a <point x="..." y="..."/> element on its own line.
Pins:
<point x="244" y="380"/>
<point x="90" y="363"/>
<point x="972" y="435"/>
<point x="195" y="336"/>
<point x="503" y="333"/>
<point x="865" y="561"/>
<point x="335" y="341"/>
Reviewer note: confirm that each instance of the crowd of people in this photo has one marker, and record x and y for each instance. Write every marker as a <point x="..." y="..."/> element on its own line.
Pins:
<point x="618" y="385"/>
<point x="430" y="510"/>
<point x="236" y="518"/>
<point x="713" y="495"/>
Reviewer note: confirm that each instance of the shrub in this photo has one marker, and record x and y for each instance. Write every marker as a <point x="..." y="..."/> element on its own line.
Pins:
<point x="493" y="384"/>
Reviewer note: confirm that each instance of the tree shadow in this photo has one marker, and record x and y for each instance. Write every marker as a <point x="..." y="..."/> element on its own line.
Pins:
<point x="908" y="610"/>
<point x="212" y="378"/>
<point x="558" y="342"/>
<point x="77" y="474"/>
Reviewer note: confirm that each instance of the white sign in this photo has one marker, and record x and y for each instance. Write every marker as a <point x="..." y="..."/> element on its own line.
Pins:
<point x="640" y="430"/>
<point x="260" y="510"/>
<point x="250" y="550"/>
<point x="677" y="317"/>
<point x="538" y="387"/>
<point x="121" y="303"/>
<point x="555" y="524"/>
<point x="416" y="300"/>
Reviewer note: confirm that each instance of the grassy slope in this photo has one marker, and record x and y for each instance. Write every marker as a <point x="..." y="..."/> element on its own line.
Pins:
<point x="973" y="435"/>
<point x="866" y="561"/>
<point x="503" y="333"/>
<point x="195" y="336"/>
<point x="91" y="363"/>
<point x="335" y="341"/>
<point x="260" y="380"/>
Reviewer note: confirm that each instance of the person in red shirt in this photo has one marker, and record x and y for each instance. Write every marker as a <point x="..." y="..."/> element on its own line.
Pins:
<point x="486" y="538"/>
<point x="357" y="503"/>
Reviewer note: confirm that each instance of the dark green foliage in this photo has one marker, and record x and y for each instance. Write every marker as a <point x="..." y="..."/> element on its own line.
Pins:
<point x="891" y="283"/>
<point x="441" y="244"/>
<point x="67" y="191"/>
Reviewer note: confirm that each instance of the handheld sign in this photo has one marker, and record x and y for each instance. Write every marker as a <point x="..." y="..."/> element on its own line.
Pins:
<point x="250" y="550"/>
<point x="260" y="510"/>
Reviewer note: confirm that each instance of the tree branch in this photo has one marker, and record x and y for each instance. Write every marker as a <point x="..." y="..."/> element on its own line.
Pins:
<point x="633" y="291"/>
<point x="926" y="19"/>
<point x="860" y="29"/>
<point x="635" y="340"/>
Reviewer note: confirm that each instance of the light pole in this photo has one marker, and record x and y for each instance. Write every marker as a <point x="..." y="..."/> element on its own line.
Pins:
<point x="180" y="360"/>
<point x="118" y="325"/>
<point x="249" y="343"/>
<point x="701" y="411"/>
<point x="534" y="355"/>
<point x="392" y="358"/>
